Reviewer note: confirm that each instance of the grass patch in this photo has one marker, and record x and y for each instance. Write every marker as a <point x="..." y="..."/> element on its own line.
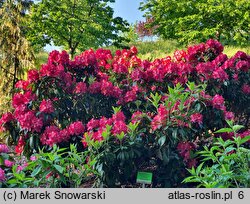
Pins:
<point x="231" y="50"/>
<point x="160" y="49"/>
<point x="151" y="50"/>
<point x="41" y="58"/>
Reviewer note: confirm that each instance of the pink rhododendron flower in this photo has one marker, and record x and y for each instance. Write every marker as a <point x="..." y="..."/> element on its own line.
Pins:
<point x="20" y="146"/>
<point x="184" y="149"/>
<point x="243" y="66"/>
<point x="33" y="158"/>
<point x="116" y="93"/>
<point x="246" y="89"/>
<point x="130" y="96"/>
<point x="97" y="136"/>
<point x="118" y="53"/>
<point x="6" y="117"/>
<point x="220" y="74"/>
<point x="76" y="128"/>
<point x="218" y="102"/>
<point x="133" y="50"/>
<point x="106" y="88"/>
<point x="95" y="87"/>
<point x="136" y="117"/>
<point x="240" y="55"/>
<point x="4" y="148"/>
<point x="157" y="122"/>
<point x="244" y="134"/>
<point x="92" y="124"/>
<point x="160" y="118"/>
<point x="215" y="45"/>
<point x="135" y="61"/>
<point x="120" y="68"/>
<point x="19" y="99"/>
<point x="103" y="122"/>
<point x="192" y="163"/>
<point x="119" y="127"/>
<point x="81" y="88"/>
<point x="86" y="58"/>
<point x="219" y="60"/>
<point x="119" y="116"/>
<point x="229" y="115"/>
<point x="30" y="122"/>
<point x="21" y="84"/>
<point x="46" y="106"/>
<point x="8" y="163"/>
<point x="51" y="136"/>
<point x="59" y="57"/>
<point x="194" y="51"/>
<point x="196" y="118"/>
<point x="205" y="69"/>
<point x="64" y="135"/>
<point x="51" y="70"/>
<point x="2" y="175"/>
<point x="33" y="75"/>
<point x="179" y="55"/>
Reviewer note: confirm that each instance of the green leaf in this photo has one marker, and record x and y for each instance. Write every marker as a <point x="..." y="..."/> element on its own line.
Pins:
<point x="199" y="168"/>
<point x="36" y="171"/>
<point x="58" y="168"/>
<point x="230" y="123"/>
<point x="155" y="99"/>
<point x="116" y="109"/>
<point x="162" y="140"/>
<point x="222" y="130"/>
<point x="120" y="136"/>
<point x="244" y="140"/>
<point x="237" y="127"/>
<point x="12" y="181"/>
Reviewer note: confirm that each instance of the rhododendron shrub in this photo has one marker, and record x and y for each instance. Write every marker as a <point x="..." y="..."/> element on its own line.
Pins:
<point x="174" y="101"/>
<point x="180" y="127"/>
<point x="117" y="148"/>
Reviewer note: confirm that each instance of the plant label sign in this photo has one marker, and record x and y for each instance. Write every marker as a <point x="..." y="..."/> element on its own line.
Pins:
<point x="144" y="177"/>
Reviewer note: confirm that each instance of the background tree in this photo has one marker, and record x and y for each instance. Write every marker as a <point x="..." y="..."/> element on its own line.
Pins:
<point x="15" y="52"/>
<point x="75" y="24"/>
<point x="144" y="28"/>
<point x="130" y="36"/>
<point x="25" y="4"/>
<point x="189" y="20"/>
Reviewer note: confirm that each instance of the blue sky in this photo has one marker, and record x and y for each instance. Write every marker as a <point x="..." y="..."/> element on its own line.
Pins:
<point x="127" y="9"/>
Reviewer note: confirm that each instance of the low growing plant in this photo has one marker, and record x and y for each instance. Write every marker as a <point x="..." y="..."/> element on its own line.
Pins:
<point x="57" y="168"/>
<point x="225" y="165"/>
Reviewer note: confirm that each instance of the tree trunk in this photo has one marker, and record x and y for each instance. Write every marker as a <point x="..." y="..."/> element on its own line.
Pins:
<point x="72" y="53"/>
<point x="16" y="66"/>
